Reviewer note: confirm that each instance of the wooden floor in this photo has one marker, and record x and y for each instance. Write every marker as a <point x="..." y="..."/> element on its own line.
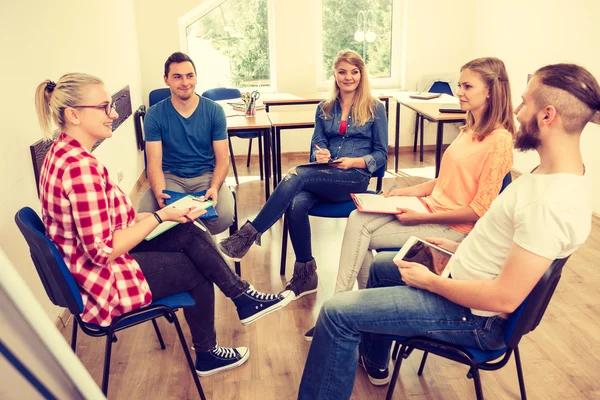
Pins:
<point x="561" y="359"/>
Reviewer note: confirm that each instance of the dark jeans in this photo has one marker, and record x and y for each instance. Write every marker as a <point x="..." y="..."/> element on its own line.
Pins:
<point x="185" y="259"/>
<point x="297" y="193"/>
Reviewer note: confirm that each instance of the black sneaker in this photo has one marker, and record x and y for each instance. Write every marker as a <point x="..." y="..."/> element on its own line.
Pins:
<point x="252" y="304"/>
<point x="220" y="359"/>
<point x="377" y="377"/>
<point x="309" y="335"/>
<point x="237" y="245"/>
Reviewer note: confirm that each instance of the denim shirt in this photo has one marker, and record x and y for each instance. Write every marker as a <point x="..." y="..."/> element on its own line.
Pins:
<point x="369" y="141"/>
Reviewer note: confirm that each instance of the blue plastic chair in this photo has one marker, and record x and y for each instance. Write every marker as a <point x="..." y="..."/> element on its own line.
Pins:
<point x="63" y="291"/>
<point x="218" y="94"/>
<point x="522" y="321"/>
<point x="328" y="210"/>
<point x="437" y="87"/>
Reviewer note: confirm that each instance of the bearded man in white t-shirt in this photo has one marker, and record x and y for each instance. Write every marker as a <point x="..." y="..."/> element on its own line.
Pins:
<point x="542" y="216"/>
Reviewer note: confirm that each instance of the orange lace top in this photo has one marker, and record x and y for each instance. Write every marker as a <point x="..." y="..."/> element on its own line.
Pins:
<point x="471" y="173"/>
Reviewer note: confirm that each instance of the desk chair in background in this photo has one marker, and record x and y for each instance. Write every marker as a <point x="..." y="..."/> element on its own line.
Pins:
<point x="437" y="87"/>
<point x="522" y="321"/>
<point x="327" y="210"/>
<point x="218" y="94"/>
<point x="63" y="291"/>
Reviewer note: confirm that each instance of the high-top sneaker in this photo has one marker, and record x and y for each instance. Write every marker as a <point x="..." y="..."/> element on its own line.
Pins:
<point x="237" y="245"/>
<point x="305" y="279"/>
<point x="220" y="359"/>
<point x="252" y="304"/>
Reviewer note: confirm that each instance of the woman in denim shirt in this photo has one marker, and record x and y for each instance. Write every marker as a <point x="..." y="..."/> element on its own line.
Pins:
<point x="350" y="129"/>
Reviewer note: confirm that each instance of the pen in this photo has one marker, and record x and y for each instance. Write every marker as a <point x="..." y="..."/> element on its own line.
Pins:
<point x="389" y="190"/>
<point x="199" y="225"/>
<point x="320" y="149"/>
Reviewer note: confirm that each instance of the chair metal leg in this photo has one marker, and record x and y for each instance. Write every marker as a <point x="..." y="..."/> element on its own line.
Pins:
<point x="249" y="152"/>
<point x="74" y="335"/>
<point x="110" y="338"/>
<point x="397" y="366"/>
<point x="422" y="363"/>
<point x="237" y="182"/>
<point x="158" y="335"/>
<point x="396" y="350"/>
<point x="474" y="374"/>
<point x="520" y="374"/>
<point x="260" y="157"/>
<point x="234" y="228"/>
<point x="188" y="356"/>
<point x="284" y="241"/>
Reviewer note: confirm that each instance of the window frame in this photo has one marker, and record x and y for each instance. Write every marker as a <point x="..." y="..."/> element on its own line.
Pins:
<point x="209" y="5"/>
<point x="398" y="63"/>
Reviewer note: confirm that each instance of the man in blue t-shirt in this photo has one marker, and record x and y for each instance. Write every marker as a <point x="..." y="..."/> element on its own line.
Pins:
<point x="186" y="145"/>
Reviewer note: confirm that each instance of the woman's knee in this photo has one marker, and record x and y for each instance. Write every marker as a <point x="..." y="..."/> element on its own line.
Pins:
<point x="382" y="268"/>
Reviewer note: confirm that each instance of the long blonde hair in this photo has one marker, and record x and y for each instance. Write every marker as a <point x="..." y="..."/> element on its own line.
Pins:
<point x="51" y="99"/>
<point x="499" y="110"/>
<point x="363" y="106"/>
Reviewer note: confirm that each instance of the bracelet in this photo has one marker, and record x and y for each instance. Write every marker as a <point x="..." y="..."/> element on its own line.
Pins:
<point x="158" y="218"/>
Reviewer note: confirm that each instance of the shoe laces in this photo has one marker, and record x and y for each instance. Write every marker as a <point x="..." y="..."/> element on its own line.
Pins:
<point x="224" y="352"/>
<point x="261" y="296"/>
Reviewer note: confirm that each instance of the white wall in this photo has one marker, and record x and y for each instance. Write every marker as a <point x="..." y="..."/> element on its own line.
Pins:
<point x="529" y="34"/>
<point x="44" y="40"/>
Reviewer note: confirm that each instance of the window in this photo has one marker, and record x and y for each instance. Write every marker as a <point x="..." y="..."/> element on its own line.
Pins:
<point x="229" y="43"/>
<point x="364" y="26"/>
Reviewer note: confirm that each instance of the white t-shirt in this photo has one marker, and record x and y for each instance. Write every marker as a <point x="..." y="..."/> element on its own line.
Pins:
<point x="548" y="215"/>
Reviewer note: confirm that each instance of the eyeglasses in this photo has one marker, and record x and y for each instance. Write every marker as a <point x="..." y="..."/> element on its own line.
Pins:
<point x="108" y="108"/>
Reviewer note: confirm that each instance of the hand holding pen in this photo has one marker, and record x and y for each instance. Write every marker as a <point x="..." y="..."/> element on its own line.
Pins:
<point x="322" y="156"/>
<point x="388" y="192"/>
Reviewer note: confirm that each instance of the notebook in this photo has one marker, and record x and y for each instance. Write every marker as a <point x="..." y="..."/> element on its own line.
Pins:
<point x="376" y="203"/>
<point x="188" y="201"/>
<point x="316" y="164"/>
<point x="451" y="108"/>
<point x="420" y="251"/>
<point x="425" y="95"/>
<point x="211" y="212"/>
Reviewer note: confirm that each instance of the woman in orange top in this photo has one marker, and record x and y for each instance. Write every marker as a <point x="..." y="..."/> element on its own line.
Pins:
<point x="470" y="178"/>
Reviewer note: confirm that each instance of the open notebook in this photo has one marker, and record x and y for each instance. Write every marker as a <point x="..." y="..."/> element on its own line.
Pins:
<point x="420" y="251"/>
<point x="185" y="202"/>
<point x="375" y="203"/>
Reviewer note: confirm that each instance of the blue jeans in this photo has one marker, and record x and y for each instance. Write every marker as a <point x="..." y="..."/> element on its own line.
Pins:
<point x="298" y="192"/>
<point x="353" y="320"/>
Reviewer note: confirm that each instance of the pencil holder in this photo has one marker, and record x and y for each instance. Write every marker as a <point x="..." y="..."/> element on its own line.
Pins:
<point x="250" y="108"/>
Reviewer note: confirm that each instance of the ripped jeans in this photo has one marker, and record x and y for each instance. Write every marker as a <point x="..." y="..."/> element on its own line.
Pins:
<point x="298" y="192"/>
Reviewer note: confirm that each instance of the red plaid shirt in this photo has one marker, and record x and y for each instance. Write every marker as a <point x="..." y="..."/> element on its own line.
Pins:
<point x="81" y="208"/>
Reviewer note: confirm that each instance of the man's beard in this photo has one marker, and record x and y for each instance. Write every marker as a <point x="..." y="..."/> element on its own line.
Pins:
<point x="528" y="136"/>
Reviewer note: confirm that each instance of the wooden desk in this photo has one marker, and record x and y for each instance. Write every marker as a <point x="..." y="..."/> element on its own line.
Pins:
<point x="261" y="125"/>
<point x="286" y="120"/>
<point x="286" y="99"/>
<point x="429" y="110"/>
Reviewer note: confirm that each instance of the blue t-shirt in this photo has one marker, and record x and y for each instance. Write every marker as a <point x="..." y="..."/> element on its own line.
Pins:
<point x="186" y="142"/>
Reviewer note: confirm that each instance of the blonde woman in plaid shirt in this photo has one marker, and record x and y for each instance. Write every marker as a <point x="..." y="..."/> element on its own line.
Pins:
<point x="101" y="238"/>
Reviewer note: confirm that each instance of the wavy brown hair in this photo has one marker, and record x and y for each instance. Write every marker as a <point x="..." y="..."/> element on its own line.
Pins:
<point x="363" y="106"/>
<point x="499" y="110"/>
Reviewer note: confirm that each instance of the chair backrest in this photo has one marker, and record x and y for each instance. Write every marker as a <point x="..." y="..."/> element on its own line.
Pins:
<point x="529" y="314"/>
<point x="506" y="181"/>
<point x="217" y="94"/>
<point x="441" y="87"/>
<point x="60" y="285"/>
<point x="158" y="94"/>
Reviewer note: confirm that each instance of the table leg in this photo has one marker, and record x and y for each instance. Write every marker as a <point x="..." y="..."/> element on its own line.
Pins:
<point x="274" y="156"/>
<point x="438" y="147"/>
<point x="417" y="117"/>
<point x="278" y="141"/>
<point x="422" y="137"/>
<point x="267" y="153"/>
<point x="386" y="102"/>
<point x="397" y="137"/>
